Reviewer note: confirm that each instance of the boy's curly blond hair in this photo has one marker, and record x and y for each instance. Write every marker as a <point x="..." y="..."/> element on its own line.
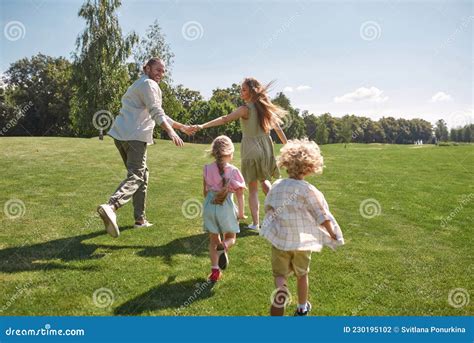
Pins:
<point x="300" y="158"/>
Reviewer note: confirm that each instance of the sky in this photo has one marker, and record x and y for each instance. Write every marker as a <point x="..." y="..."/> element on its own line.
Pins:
<point x="408" y="59"/>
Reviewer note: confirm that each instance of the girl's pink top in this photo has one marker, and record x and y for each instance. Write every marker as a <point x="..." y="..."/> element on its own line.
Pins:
<point x="214" y="180"/>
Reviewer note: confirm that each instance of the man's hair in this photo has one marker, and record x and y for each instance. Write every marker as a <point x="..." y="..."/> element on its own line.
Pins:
<point x="153" y="61"/>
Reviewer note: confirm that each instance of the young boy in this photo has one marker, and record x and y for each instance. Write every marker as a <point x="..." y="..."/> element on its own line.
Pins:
<point x="297" y="222"/>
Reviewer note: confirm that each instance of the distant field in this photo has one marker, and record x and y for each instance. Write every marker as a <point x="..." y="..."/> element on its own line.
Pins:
<point x="56" y="256"/>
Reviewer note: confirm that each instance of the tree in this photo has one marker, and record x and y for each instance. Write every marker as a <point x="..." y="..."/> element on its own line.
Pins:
<point x="373" y="133"/>
<point x="441" y="130"/>
<point x="187" y="97"/>
<point x="467" y="134"/>
<point x="293" y="124"/>
<point x="153" y="45"/>
<point x="390" y="128"/>
<point x="310" y="122"/>
<point x="359" y="126"/>
<point x="421" y="129"/>
<point x="231" y="94"/>
<point x="332" y="127"/>
<point x="39" y="91"/>
<point x="404" y="132"/>
<point x="453" y="135"/>
<point x="346" y="130"/>
<point x="100" y="74"/>
<point x="172" y="107"/>
<point x="322" y="133"/>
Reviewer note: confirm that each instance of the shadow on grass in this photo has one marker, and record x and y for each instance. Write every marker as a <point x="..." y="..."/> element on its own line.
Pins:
<point x="244" y="232"/>
<point x="192" y="245"/>
<point x="196" y="245"/>
<point x="35" y="257"/>
<point x="177" y="295"/>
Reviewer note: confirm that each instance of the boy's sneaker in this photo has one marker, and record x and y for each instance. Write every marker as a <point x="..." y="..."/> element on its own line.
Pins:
<point x="304" y="313"/>
<point x="110" y="219"/>
<point x="215" y="275"/>
<point x="280" y="298"/>
<point x="223" y="258"/>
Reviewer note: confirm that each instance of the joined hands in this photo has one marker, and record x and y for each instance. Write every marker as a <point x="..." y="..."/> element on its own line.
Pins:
<point x="190" y="129"/>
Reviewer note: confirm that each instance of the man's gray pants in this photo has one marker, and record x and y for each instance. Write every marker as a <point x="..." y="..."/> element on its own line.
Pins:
<point x="135" y="185"/>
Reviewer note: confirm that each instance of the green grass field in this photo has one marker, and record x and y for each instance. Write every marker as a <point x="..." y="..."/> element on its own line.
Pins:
<point x="56" y="255"/>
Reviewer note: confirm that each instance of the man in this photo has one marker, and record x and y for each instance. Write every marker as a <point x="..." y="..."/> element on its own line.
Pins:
<point x="132" y="132"/>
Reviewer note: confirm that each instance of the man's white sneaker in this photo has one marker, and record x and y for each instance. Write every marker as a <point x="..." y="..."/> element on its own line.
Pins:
<point x="146" y="223"/>
<point x="110" y="219"/>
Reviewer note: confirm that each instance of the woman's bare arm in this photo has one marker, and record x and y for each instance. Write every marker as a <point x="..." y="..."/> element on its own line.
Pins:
<point x="280" y="133"/>
<point x="240" y="112"/>
<point x="241" y="203"/>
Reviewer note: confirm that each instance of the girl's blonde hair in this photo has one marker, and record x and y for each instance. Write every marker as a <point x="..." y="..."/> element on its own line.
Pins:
<point x="268" y="113"/>
<point x="300" y="158"/>
<point x="221" y="146"/>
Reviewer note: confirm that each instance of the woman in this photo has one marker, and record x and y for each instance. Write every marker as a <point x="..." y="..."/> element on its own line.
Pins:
<point x="257" y="117"/>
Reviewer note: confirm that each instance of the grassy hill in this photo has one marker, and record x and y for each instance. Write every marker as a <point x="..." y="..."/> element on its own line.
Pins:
<point x="56" y="259"/>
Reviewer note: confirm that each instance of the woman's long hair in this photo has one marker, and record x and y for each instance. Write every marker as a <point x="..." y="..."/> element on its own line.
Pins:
<point x="268" y="113"/>
<point x="221" y="146"/>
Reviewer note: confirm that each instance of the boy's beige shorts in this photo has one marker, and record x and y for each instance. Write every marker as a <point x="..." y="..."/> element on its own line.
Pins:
<point x="284" y="263"/>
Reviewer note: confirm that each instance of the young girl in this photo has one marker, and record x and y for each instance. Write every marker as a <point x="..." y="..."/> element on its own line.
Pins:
<point x="257" y="117"/>
<point x="221" y="180"/>
<point x="297" y="222"/>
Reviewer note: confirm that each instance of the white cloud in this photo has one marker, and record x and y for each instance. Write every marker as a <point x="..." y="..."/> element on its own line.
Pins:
<point x="300" y="88"/>
<point x="441" y="96"/>
<point x="372" y="94"/>
<point x="303" y="88"/>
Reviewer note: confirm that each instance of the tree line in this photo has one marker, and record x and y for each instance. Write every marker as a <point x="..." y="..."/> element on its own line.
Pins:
<point x="45" y="95"/>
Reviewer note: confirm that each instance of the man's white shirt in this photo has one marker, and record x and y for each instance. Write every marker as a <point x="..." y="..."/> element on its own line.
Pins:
<point x="141" y="109"/>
